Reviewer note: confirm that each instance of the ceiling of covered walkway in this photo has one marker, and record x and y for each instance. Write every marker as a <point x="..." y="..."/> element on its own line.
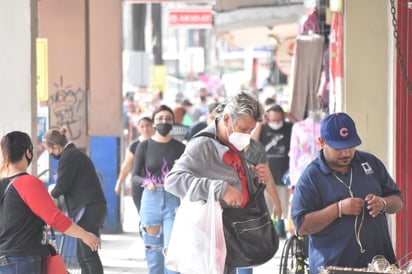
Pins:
<point x="244" y="23"/>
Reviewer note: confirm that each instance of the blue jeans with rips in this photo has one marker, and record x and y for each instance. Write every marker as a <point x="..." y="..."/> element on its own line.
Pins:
<point x="21" y="265"/>
<point x="158" y="208"/>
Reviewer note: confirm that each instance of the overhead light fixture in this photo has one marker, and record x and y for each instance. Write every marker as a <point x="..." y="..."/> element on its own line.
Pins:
<point x="274" y="39"/>
<point x="336" y="6"/>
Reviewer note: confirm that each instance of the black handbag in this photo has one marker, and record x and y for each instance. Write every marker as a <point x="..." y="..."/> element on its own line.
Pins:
<point x="250" y="236"/>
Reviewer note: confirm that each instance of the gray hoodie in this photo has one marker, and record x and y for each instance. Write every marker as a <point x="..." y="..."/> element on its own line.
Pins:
<point x="202" y="164"/>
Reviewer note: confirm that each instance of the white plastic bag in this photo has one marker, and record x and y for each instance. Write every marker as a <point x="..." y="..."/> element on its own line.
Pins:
<point x="197" y="243"/>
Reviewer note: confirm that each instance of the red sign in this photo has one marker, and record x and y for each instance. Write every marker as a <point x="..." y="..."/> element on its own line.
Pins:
<point x="193" y="18"/>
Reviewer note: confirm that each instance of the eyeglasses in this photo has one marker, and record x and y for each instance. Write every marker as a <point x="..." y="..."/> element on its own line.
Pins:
<point x="167" y="119"/>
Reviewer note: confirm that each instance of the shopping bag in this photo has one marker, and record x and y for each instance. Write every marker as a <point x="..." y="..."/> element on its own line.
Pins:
<point x="197" y="243"/>
<point x="55" y="263"/>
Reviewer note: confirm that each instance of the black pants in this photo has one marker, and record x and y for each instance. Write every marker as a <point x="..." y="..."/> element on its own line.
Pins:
<point x="229" y="270"/>
<point x="91" y="221"/>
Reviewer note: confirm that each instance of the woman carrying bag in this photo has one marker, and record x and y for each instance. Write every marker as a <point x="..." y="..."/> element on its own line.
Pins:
<point x="217" y="156"/>
<point x="25" y="207"/>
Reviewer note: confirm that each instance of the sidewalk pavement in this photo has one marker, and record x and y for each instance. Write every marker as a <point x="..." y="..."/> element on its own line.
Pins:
<point x="124" y="253"/>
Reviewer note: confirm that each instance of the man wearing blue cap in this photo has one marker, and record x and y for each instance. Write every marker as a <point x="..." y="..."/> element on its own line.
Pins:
<point x="341" y="199"/>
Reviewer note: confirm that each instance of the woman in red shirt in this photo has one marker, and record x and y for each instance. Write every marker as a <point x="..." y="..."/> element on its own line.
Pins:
<point x="25" y="208"/>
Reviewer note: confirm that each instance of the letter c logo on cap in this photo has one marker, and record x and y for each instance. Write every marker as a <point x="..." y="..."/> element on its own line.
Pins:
<point x="344" y="132"/>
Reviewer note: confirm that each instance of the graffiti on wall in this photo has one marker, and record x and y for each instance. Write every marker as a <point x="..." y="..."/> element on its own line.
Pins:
<point x="67" y="109"/>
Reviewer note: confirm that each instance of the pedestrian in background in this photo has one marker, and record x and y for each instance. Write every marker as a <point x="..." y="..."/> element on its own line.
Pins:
<point x="145" y="130"/>
<point x="221" y="159"/>
<point x="342" y="198"/>
<point x="79" y="184"/>
<point x="213" y="110"/>
<point x="25" y="208"/>
<point x="275" y="136"/>
<point x="154" y="158"/>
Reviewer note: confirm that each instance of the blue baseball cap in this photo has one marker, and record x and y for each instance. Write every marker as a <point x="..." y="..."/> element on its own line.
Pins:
<point x="339" y="131"/>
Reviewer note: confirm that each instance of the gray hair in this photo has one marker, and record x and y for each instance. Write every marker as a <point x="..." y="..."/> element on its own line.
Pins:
<point x="242" y="104"/>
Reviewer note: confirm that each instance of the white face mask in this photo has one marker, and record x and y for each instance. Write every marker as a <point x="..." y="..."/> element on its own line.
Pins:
<point x="239" y="140"/>
<point x="275" y="125"/>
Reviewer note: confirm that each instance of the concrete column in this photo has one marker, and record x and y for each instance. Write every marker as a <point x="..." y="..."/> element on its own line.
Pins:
<point x="368" y="79"/>
<point x="368" y="93"/>
<point x="63" y="24"/>
<point x="85" y="82"/>
<point x="18" y="27"/>
<point x="105" y="68"/>
<point x="106" y="111"/>
<point x="85" y="73"/>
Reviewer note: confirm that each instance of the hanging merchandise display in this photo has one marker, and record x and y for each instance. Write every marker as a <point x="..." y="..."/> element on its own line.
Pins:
<point x="284" y="55"/>
<point x="336" y="62"/>
<point x="306" y="71"/>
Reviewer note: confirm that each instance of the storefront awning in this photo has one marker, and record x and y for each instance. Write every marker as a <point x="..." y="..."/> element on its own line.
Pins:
<point x="230" y="5"/>
<point x="253" y="26"/>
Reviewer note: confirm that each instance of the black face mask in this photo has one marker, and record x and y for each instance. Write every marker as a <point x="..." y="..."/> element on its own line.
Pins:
<point x="57" y="157"/>
<point x="164" y="129"/>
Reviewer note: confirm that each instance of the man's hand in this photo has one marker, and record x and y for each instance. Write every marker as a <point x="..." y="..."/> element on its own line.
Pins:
<point x="352" y="206"/>
<point x="376" y="204"/>
<point x="262" y="171"/>
<point x="277" y="212"/>
<point x="118" y="188"/>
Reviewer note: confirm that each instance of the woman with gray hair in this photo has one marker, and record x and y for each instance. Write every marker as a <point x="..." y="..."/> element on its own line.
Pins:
<point x="221" y="158"/>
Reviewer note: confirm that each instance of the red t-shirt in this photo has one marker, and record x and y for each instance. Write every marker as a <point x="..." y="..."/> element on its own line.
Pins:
<point x="233" y="158"/>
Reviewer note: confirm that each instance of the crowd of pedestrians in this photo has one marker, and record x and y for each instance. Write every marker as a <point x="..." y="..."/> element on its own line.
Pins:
<point x="243" y="128"/>
<point x="227" y="143"/>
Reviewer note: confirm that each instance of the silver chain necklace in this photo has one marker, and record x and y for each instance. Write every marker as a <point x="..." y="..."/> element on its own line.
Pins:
<point x="343" y="183"/>
<point x="357" y="230"/>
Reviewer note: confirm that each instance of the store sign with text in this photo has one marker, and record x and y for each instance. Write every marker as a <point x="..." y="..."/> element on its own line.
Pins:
<point x="190" y="17"/>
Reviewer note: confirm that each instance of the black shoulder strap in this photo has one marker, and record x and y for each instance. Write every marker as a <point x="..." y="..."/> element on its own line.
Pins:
<point x="12" y="179"/>
<point x="211" y="135"/>
<point x="255" y="187"/>
<point x="5" y="191"/>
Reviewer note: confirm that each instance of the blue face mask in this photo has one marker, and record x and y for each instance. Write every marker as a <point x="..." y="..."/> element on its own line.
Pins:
<point x="57" y="157"/>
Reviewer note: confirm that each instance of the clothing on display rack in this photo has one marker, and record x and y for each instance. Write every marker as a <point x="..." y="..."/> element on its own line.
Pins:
<point x="306" y="72"/>
<point x="310" y="22"/>
<point x="324" y="86"/>
<point x="304" y="144"/>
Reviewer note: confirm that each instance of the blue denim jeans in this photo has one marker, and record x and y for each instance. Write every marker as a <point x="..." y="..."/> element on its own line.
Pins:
<point x="158" y="208"/>
<point x="244" y="270"/>
<point x="22" y="265"/>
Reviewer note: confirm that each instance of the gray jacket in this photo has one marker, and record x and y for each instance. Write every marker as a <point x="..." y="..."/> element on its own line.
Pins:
<point x="202" y="164"/>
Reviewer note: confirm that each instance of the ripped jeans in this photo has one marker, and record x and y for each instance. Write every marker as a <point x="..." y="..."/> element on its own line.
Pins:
<point x="158" y="208"/>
